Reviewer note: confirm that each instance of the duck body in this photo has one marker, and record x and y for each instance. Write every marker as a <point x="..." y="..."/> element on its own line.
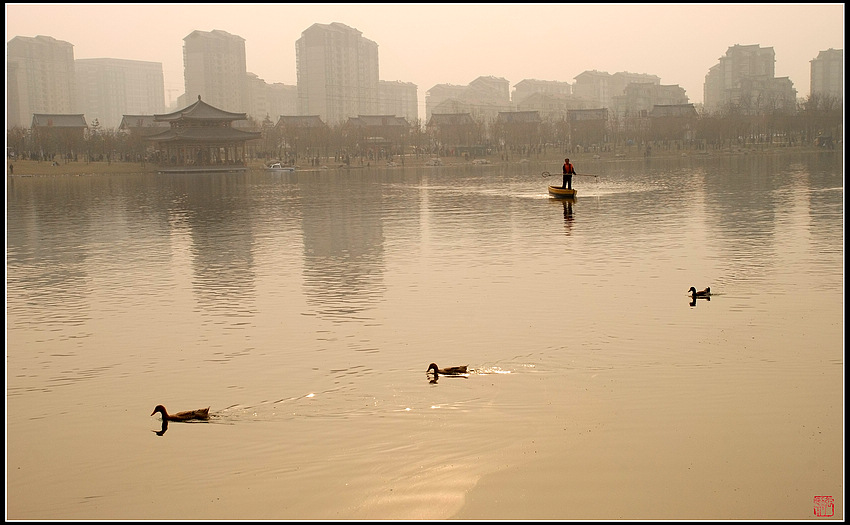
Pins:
<point x="450" y="371"/>
<point x="201" y="413"/>
<point x="700" y="293"/>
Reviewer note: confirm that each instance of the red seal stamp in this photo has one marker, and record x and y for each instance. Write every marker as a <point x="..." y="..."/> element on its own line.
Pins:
<point x="824" y="506"/>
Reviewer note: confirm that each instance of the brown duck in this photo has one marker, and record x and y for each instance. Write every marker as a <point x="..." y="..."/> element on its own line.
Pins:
<point x="700" y="293"/>
<point x="201" y="413"/>
<point x="450" y="371"/>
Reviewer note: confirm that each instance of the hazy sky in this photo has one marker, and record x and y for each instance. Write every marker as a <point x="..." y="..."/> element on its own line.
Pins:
<point x="430" y="44"/>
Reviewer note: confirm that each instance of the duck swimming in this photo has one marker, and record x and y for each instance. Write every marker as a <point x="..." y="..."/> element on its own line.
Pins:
<point x="701" y="293"/>
<point x="201" y="413"/>
<point x="450" y="371"/>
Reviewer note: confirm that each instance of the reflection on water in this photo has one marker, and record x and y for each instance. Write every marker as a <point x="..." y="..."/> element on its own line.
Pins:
<point x="216" y="213"/>
<point x="304" y="306"/>
<point x="343" y="245"/>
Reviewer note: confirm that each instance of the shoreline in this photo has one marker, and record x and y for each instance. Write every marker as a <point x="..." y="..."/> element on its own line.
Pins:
<point x="29" y="168"/>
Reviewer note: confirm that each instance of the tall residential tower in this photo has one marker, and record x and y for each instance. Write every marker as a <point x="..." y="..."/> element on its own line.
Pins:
<point x="337" y="72"/>
<point x="828" y="74"/>
<point x="214" y="68"/>
<point x="39" y="78"/>
<point x="110" y="88"/>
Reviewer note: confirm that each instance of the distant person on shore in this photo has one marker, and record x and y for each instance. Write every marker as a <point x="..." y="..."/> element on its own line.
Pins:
<point x="569" y="171"/>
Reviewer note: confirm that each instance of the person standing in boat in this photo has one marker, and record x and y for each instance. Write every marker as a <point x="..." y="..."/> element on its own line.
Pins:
<point x="569" y="171"/>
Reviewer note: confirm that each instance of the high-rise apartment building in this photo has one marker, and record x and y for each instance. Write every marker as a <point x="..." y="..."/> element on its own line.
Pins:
<point x="600" y="87"/>
<point x="527" y="87"/>
<point x="270" y="100"/>
<point x="828" y="74"/>
<point x="109" y="88"/>
<point x="743" y="79"/>
<point x="214" y="68"/>
<point x="398" y="99"/>
<point x="484" y="98"/>
<point x="439" y="94"/>
<point x="337" y="72"/>
<point x="39" y="79"/>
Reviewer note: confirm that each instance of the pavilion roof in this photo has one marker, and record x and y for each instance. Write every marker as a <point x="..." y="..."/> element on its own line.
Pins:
<point x="200" y="110"/>
<point x="204" y="134"/>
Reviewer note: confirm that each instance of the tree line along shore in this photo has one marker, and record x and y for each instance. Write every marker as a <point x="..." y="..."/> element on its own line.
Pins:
<point x="17" y="167"/>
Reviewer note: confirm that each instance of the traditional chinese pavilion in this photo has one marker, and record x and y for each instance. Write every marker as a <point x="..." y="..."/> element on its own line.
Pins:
<point x="201" y="138"/>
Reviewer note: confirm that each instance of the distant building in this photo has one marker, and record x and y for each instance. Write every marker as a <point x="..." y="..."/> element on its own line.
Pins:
<point x="109" y="88"/>
<point x="828" y="74"/>
<point x="269" y="100"/>
<point x="282" y="99"/>
<point x="588" y="115"/>
<point x="451" y="106"/>
<point x="144" y="125"/>
<point x="514" y="128"/>
<point x="589" y="128"/>
<point x="337" y="73"/>
<point x="399" y="99"/>
<point x="744" y="80"/>
<point x="300" y="133"/>
<point x="137" y="128"/>
<point x="452" y="130"/>
<point x="435" y="96"/>
<point x="484" y="98"/>
<point x="214" y="69"/>
<point x="600" y="87"/>
<point x="61" y="134"/>
<point x="638" y="99"/>
<point x="525" y="88"/>
<point x="39" y="79"/>
<point x="552" y="106"/>
<point x="380" y="133"/>
<point x="673" y="121"/>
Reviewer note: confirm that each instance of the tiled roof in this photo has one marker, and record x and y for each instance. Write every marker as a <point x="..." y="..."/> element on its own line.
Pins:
<point x="204" y="134"/>
<point x="58" y="121"/>
<point x="200" y="110"/>
<point x="141" y="121"/>
<point x="301" y="121"/>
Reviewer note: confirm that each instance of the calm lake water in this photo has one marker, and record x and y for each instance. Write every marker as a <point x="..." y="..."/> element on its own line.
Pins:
<point x="304" y="308"/>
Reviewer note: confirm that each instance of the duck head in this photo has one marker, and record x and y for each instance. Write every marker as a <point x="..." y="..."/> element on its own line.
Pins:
<point x="161" y="410"/>
<point x="692" y="290"/>
<point x="432" y="366"/>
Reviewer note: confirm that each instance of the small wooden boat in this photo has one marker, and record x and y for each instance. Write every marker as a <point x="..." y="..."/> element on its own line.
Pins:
<point x="278" y="167"/>
<point x="201" y="413"/>
<point x="562" y="193"/>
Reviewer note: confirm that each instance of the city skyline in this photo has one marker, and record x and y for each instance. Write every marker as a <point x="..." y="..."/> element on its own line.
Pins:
<point x="432" y="44"/>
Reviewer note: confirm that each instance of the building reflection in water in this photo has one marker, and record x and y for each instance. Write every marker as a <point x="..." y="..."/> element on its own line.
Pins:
<point x="343" y="246"/>
<point x="220" y="229"/>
